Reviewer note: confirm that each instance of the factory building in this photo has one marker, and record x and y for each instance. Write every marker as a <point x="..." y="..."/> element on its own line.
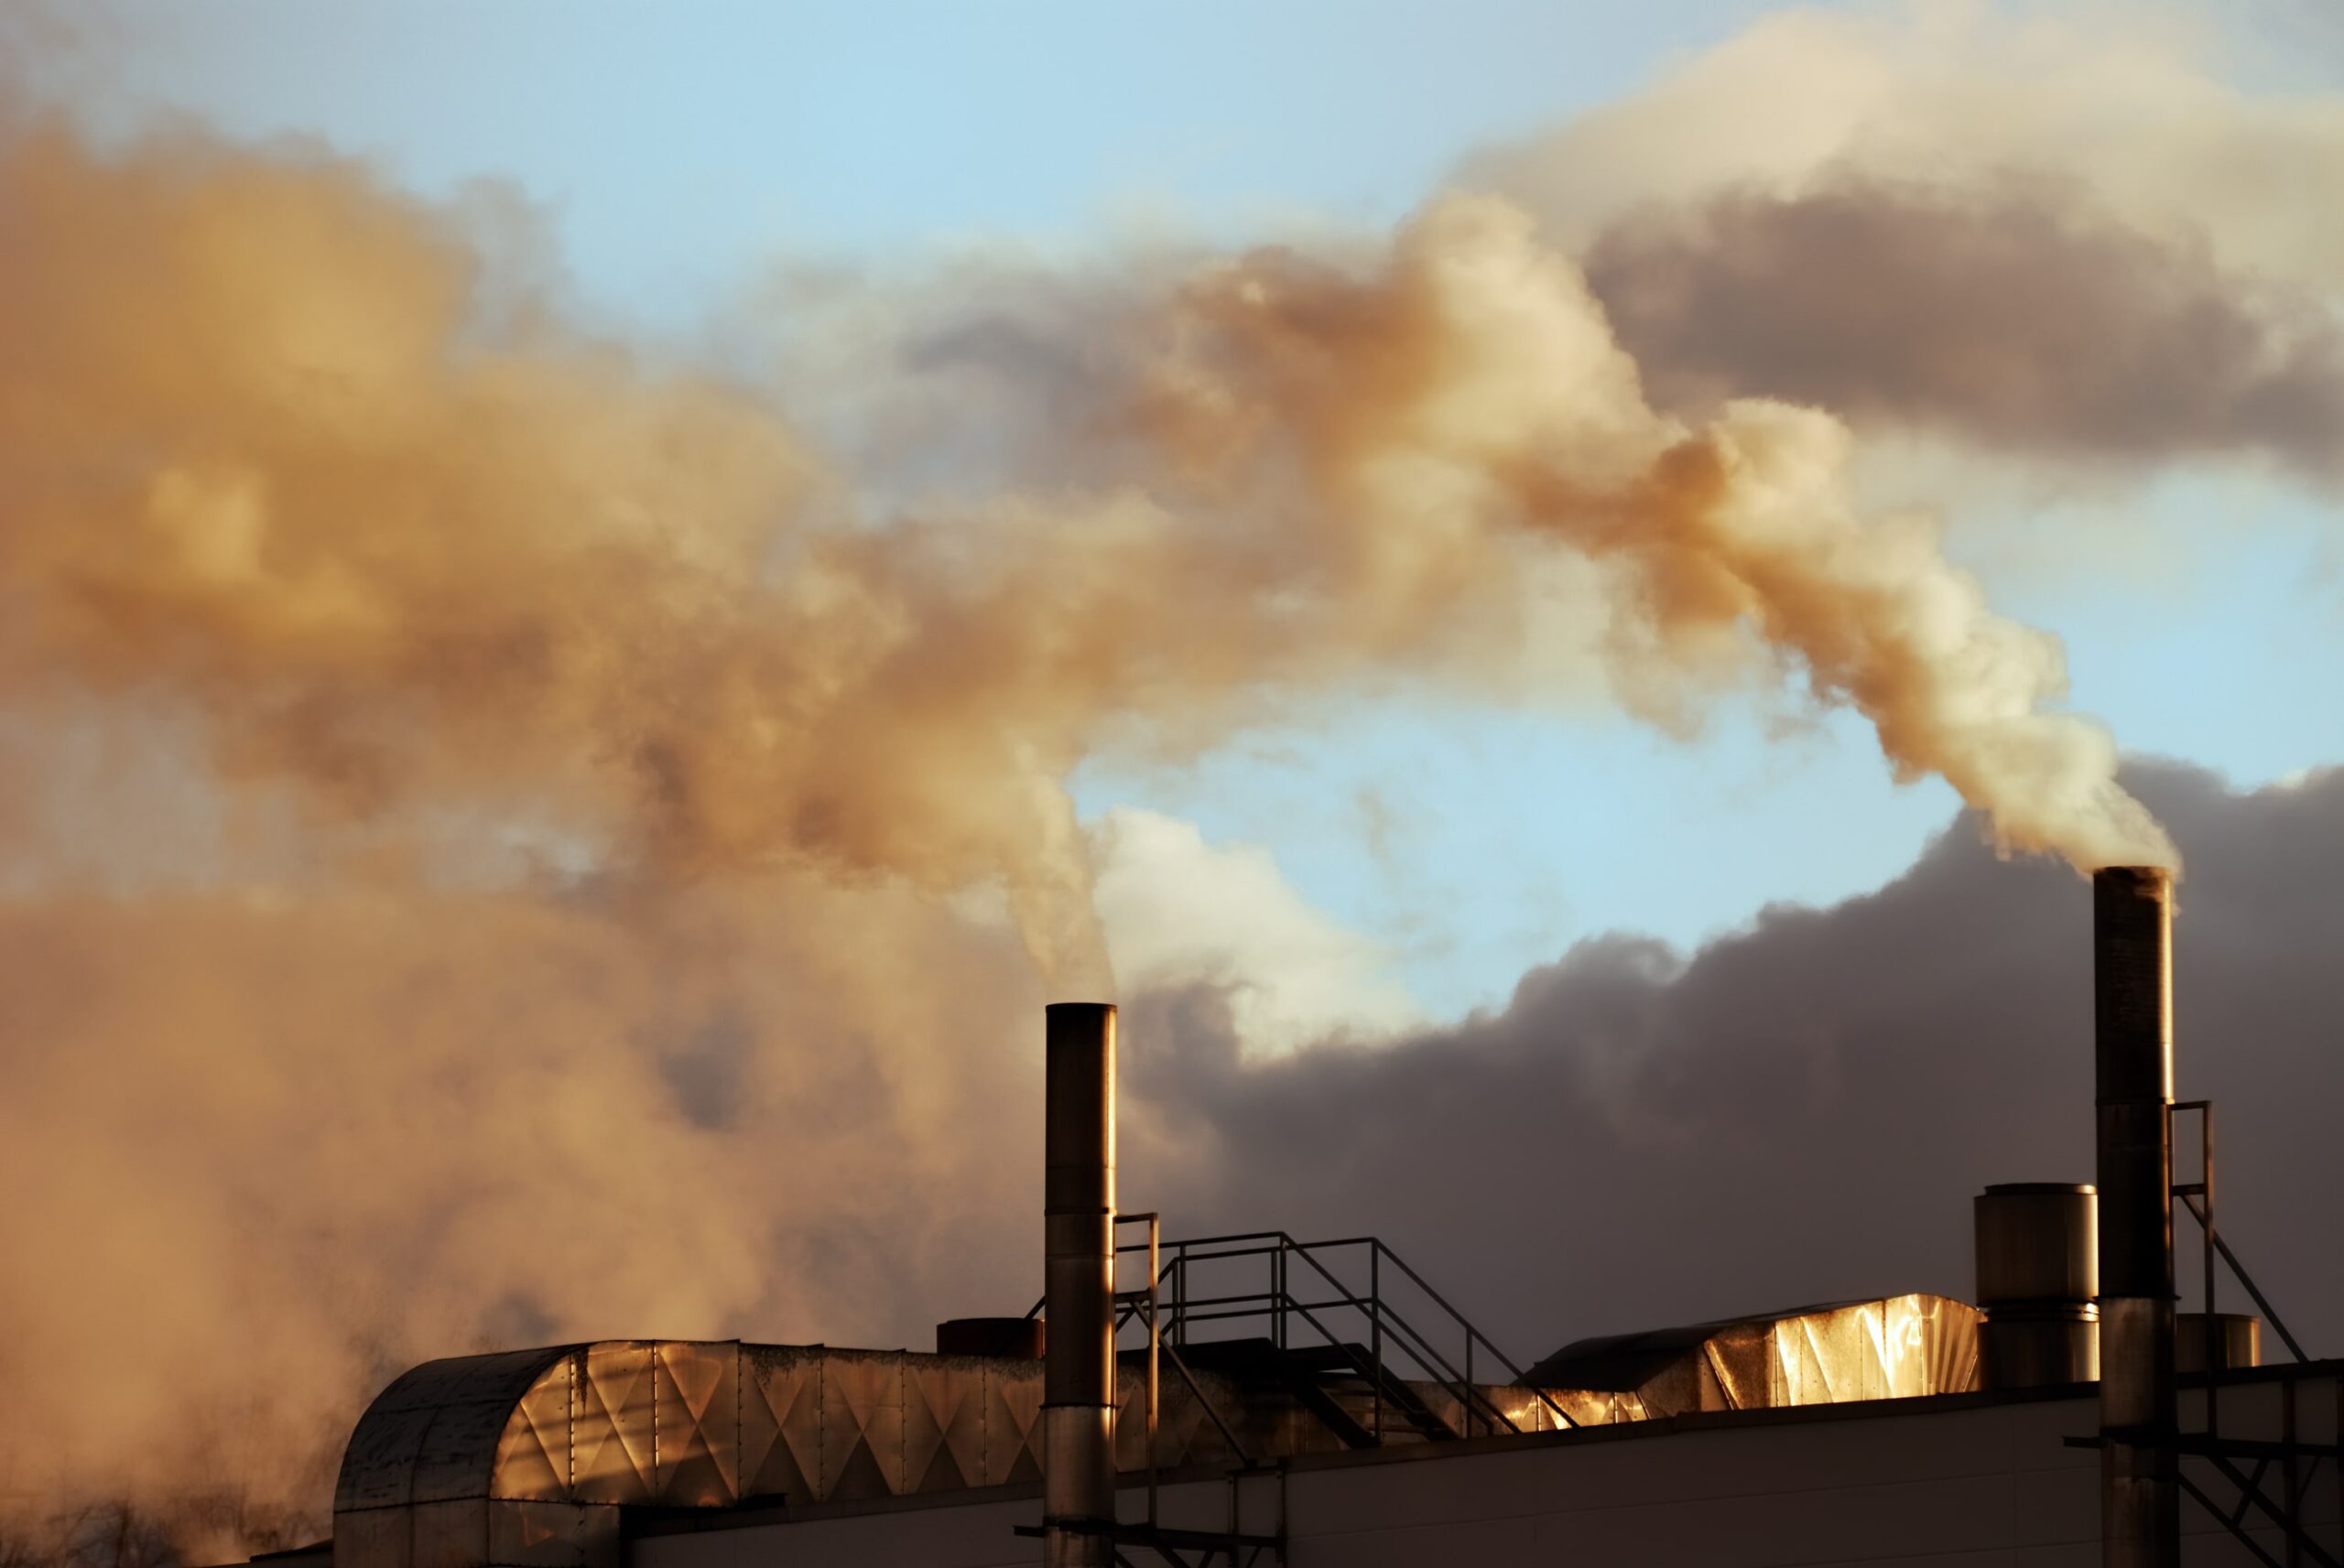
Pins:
<point x="1259" y="1398"/>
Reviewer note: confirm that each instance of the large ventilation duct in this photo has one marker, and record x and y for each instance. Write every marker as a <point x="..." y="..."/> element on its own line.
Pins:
<point x="2132" y="994"/>
<point x="1078" y="1220"/>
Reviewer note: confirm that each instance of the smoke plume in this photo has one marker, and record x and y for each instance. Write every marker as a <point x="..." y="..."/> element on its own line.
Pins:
<point x="508" y="840"/>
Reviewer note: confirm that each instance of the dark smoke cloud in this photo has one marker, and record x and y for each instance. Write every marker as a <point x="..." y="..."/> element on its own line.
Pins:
<point x="2009" y="313"/>
<point x="1800" y="1111"/>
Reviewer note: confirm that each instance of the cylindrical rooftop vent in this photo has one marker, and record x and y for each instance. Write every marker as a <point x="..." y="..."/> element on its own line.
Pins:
<point x="2236" y="1341"/>
<point x="1078" y="1220"/>
<point x="1019" y="1338"/>
<point x="2038" y="1269"/>
<point x="2132" y="1027"/>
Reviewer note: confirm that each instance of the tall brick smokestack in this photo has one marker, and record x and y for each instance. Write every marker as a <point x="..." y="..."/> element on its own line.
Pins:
<point x="2133" y="992"/>
<point x="1078" y="1365"/>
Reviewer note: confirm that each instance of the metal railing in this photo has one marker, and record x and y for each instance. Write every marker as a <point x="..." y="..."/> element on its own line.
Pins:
<point x="1395" y="1352"/>
<point x="2298" y="1460"/>
<point x="1340" y="1291"/>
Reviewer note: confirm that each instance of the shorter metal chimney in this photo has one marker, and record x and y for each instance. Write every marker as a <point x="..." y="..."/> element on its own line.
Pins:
<point x="1014" y="1338"/>
<point x="2132" y="1028"/>
<point x="2038" y="1269"/>
<point x="2235" y="1339"/>
<point x="1078" y="1221"/>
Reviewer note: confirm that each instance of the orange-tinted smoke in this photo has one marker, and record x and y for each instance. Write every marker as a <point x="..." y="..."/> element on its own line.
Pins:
<point x="562" y="808"/>
<point x="267" y="461"/>
<point x="1465" y="402"/>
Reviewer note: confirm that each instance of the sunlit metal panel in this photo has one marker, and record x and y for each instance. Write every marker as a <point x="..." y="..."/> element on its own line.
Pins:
<point x="944" y="1411"/>
<point x="459" y="1453"/>
<point x="1596" y="1406"/>
<point x="1819" y="1358"/>
<point x="433" y="1433"/>
<point x="780" y="1421"/>
<point x="863" y="1425"/>
<point x="1889" y="1347"/>
<point x="468" y="1379"/>
<point x="1903" y="1350"/>
<point x="1949" y="1336"/>
<point x="1741" y="1357"/>
<point x="1013" y="1423"/>
<point x="695" y="1395"/>
<point x="533" y="1455"/>
<point x="614" y="1435"/>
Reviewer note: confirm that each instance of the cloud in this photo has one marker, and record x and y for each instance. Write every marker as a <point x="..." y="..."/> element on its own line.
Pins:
<point x="1797" y="1112"/>
<point x="1180" y="912"/>
<point x="2139" y="114"/>
<point x="2011" y="317"/>
<point x="2047" y="236"/>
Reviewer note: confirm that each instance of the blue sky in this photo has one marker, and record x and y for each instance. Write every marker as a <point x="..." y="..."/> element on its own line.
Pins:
<point x="681" y="141"/>
<point x="677" y="148"/>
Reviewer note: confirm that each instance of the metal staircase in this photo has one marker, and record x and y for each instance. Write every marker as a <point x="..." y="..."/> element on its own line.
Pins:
<point x="1338" y="1384"/>
<point x="1324" y="1319"/>
<point x="1319" y="1321"/>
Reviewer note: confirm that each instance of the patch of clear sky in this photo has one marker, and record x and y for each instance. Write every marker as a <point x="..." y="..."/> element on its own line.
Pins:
<point x="679" y="146"/>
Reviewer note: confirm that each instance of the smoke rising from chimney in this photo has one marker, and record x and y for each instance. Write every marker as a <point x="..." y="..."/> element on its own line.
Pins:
<point x="468" y="774"/>
<point x="269" y="467"/>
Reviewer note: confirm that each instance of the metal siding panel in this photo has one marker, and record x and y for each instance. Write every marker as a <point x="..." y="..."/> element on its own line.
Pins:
<point x="1013" y="1423"/>
<point x="533" y="1455"/>
<point x="613" y="1437"/>
<point x="529" y="1534"/>
<point x="1783" y="1370"/>
<point x="1446" y="1408"/>
<point x="433" y="1433"/>
<point x="964" y="1427"/>
<point x="781" y="1422"/>
<point x="1689" y="1385"/>
<point x="1130" y="1431"/>
<point x="1184" y="1433"/>
<point x="378" y="1467"/>
<point x="863" y="1425"/>
<point x="944" y="1410"/>
<point x="1742" y="1358"/>
<point x="1595" y="1406"/>
<point x="1952" y="1339"/>
<point x="467" y="1379"/>
<point x="372" y="1538"/>
<point x="450" y="1534"/>
<point x="696" y="1386"/>
<point x="458" y="1458"/>
<point x="1903" y="1348"/>
<point x="1527" y="1410"/>
<point x="1829" y="1352"/>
